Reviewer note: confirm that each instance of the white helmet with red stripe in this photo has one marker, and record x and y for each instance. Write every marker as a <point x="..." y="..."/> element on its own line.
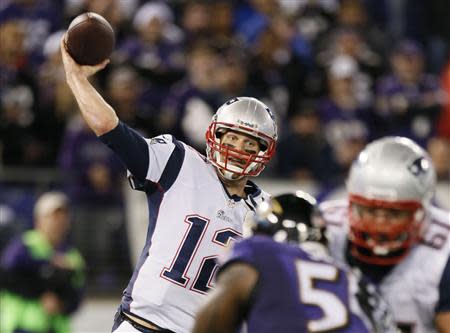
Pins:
<point x="245" y="115"/>
<point x="397" y="175"/>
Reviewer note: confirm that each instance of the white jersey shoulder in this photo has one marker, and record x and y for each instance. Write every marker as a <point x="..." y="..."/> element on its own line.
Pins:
<point x="192" y="220"/>
<point x="412" y="287"/>
<point x="335" y="213"/>
<point x="160" y="149"/>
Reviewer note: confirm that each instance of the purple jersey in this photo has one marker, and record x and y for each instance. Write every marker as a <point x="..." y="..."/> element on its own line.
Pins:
<point x="303" y="291"/>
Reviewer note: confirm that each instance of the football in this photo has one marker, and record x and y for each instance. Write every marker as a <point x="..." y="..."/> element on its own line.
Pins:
<point x="90" y="39"/>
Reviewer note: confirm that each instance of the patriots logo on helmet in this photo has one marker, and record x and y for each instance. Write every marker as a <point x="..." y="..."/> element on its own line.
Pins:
<point x="271" y="114"/>
<point x="231" y="101"/>
<point x="246" y="123"/>
<point x="419" y="167"/>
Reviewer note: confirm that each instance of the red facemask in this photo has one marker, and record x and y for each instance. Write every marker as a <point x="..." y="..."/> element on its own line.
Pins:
<point x="250" y="164"/>
<point x="383" y="242"/>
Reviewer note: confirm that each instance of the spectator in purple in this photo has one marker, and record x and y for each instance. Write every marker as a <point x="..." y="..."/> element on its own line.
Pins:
<point x="347" y="102"/>
<point x="93" y="177"/>
<point x="300" y="152"/>
<point x="279" y="63"/>
<point x="155" y="50"/>
<point x="96" y="172"/>
<point x="40" y="18"/>
<point x="345" y="116"/>
<point x="134" y="100"/>
<point x="18" y="96"/>
<point x="193" y="101"/>
<point x="42" y="274"/>
<point x="56" y="103"/>
<point x="409" y="100"/>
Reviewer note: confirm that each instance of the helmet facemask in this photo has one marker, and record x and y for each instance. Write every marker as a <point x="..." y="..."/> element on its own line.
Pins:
<point x="388" y="241"/>
<point x="234" y="164"/>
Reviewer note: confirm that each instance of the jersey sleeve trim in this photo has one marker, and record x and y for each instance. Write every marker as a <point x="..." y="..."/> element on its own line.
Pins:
<point x="173" y="166"/>
<point x="169" y="174"/>
<point x="131" y="148"/>
<point x="443" y="304"/>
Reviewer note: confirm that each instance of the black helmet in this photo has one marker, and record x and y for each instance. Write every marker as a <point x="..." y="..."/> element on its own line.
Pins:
<point x="290" y="217"/>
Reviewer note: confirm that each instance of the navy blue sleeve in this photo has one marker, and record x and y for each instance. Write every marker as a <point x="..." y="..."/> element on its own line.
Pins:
<point x="131" y="148"/>
<point x="444" y="293"/>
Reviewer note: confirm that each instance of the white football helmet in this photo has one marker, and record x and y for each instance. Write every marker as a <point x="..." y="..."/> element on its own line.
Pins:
<point x="393" y="173"/>
<point x="245" y="115"/>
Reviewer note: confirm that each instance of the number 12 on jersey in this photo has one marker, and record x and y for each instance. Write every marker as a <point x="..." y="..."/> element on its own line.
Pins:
<point x="178" y="270"/>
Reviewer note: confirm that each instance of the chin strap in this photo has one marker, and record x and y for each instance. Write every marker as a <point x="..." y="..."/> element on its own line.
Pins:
<point x="228" y="175"/>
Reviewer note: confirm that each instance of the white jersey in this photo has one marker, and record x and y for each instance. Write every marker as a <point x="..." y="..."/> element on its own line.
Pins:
<point x="192" y="219"/>
<point x="414" y="287"/>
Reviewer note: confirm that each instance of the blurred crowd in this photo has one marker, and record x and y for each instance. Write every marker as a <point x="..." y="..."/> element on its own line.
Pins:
<point x="337" y="73"/>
